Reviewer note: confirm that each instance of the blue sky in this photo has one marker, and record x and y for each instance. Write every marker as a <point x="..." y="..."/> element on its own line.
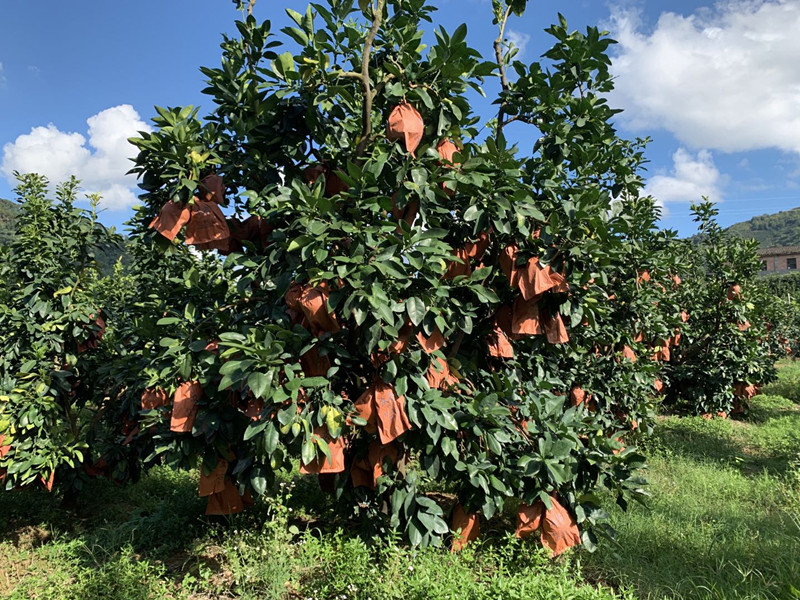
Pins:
<point x="716" y="85"/>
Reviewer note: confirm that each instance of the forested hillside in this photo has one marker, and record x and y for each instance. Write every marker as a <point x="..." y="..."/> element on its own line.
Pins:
<point x="779" y="229"/>
<point x="8" y="211"/>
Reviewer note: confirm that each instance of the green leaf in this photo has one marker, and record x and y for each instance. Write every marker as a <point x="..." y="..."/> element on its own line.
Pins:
<point x="271" y="438"/>
<point x="419" y="176"/>
<point x="326" y="451"/>
<point x="253" y="429"/>
<point x="259" y="384"/>
<point x="258" y="480"/>
<point x="334" y="421"/>
<point x="295" y="16"/>
<point x="473" y="213"/>
<point x="414" y="534"/>
<point x="416" y="310"/>
<point x="425" y="97"/>
<point x="185" y="367"/>
<point x="189" y="312"/>
<point x="307" y="452"/>
<point x="299" y="242"/>
<point x="286" y="61"/>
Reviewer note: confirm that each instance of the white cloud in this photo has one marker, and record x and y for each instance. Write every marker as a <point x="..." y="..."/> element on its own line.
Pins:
<point x="724" y="79"/>
<point x="99" y="162"/>
<point x="520" y="41"/>
<point x="691" y="178"/>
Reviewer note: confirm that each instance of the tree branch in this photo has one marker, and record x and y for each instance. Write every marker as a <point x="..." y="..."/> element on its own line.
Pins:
<point x="522" y="118"/>
<point x="347" y="74"/>
<point x="250" y="6"/>
<point x="366" y="113"/>
<point x="456" y="345"/>
<point x="498" y="53"/>
<point x="379" y="88"/>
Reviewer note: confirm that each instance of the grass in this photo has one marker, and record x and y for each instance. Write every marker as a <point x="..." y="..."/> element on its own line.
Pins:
<point x="150" y="541"/>
<point x="723" y="522"/>
<point x="97" y="553"/>
<point x="724" y="517"/>
<point x="788" y="384"/>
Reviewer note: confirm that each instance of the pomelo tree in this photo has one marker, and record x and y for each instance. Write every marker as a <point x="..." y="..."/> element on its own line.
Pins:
<point x="395" y="292"/>
<point x="55" y="407"/>
<point x="733" y="329"/>
<point x="783" y="316"/>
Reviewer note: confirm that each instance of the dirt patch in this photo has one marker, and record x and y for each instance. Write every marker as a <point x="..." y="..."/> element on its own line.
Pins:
<point x="198" y="565"/>
<point x="30" y="537"/>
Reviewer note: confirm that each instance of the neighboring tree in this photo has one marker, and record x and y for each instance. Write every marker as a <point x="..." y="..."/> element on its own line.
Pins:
<point x="783" y="312"/>
<point x="178" y="303"/>
<point x="107" y="256"/>
<point x="402" y="301"/>
<point x="54" y="304"/>
<point x="783" y="285"/>
<point x="725" y="350"/>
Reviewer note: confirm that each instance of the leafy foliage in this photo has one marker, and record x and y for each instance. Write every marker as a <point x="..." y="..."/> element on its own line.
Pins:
<point x="106" y="256"/>
<point x="391" y="300"/>
<point x="783" y="311"/>
<point x="784" y="285"/>
<point x="53" y="306"/>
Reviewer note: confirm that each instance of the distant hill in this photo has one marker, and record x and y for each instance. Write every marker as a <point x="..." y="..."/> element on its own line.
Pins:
<point x="8" y="212"/>
<point x="779" y="229"/>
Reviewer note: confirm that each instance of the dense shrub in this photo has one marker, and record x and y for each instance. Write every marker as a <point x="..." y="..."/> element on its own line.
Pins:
<point x="783" y="311"/>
